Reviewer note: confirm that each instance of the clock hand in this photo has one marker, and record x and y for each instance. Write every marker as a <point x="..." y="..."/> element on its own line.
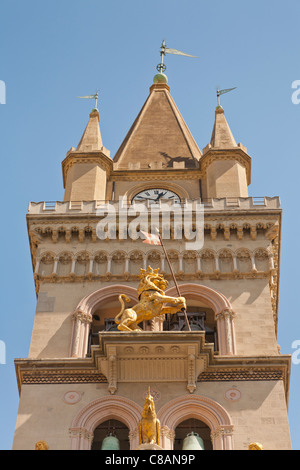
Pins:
<point x="160" y="195"/>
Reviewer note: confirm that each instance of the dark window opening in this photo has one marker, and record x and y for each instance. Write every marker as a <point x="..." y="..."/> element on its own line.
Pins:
<point x="117" y="434"/>
<point x="195" y="426"/>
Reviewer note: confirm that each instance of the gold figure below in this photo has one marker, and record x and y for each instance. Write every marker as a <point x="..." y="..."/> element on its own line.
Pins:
<point x="255" y="446"/>
<point x="149" y="426"/>
<point x="152" y="301"/>
<point x="41" y="445"/>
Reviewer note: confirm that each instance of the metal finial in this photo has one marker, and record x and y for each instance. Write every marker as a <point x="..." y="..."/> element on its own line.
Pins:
<point x="166" y="50"/>
<point x="95" y="97"/>
<point x="222" y="92"/>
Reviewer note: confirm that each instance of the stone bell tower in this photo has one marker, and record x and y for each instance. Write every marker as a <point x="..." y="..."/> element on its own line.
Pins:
<point x="211" y="368"/>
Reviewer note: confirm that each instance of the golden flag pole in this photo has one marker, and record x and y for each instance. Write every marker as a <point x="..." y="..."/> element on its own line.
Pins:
<point x="173" y="275"/>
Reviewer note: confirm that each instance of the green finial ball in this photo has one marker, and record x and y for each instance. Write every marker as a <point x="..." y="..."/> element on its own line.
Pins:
<point x="160" y="78"/>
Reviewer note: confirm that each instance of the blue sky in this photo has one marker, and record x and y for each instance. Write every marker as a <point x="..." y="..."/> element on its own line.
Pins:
<point x="53" y="51"/>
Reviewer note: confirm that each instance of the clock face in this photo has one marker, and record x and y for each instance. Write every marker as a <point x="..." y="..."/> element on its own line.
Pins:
<point x="154" y="196"/>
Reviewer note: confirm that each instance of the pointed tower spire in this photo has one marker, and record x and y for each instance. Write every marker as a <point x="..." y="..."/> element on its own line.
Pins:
<point x="91" y="139"/>
<point x="222" y="136"/>
<point x="86" y="168"/>
<point x="159" y="137"/>
<point x="227" y="164"/>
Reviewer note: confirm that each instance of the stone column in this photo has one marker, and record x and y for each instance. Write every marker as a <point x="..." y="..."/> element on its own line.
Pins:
<point x="81" y="439"/>
<point x="54" y="272"/>
<point x="37" y="266"/>
<point x="254" y="270"/>
<point x="167" y="437"/>
<point x="222" y="438"/>
<point x="80" y="335"/>
<point x="226" y="333"/>
<point x="198" y="263"/>
<point x="73" y="265"/>
<point x="91" y="265"/>
<point x="235" y="267"/>
<point x="109" y="258"/>
<point x="180" y="258"/>
<point x="217" y="264"/>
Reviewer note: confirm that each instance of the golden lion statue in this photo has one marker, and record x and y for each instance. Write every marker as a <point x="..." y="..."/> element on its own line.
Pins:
<point x="149" y="425"/>
<point x="152" y="301"/>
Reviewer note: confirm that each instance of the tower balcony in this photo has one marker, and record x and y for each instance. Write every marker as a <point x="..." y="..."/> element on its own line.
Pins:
<point x="212" y="204"/>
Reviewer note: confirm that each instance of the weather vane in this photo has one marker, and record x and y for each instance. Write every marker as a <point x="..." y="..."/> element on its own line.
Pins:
<point x="166" y="50"/>
<point x="222" y="92"/>
<point x="94" y="97"/>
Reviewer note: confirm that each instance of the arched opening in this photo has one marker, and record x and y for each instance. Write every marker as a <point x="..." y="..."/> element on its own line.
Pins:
<point x="136" y="262"/>
<point x="82" y="264"/>
<point x="195" y="426"/>
<point x="103" y="319"/>
<point x="208" y="310"/>
<point x="111" y="435"/>
<point x="64" y="264"/>
<point x="225" y="261"/>
<point x="46" y="264"/>
<point x="218" y="314"/>
<point x="188" y="411"/>
<point x="100" y="263"/>
<point x="97" y="415"/>
<point x="201" y="317"/>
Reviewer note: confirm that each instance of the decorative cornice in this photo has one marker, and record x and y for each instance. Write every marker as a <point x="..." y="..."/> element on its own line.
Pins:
<point x="156" y="175"/>
<point x="231" y="375"/>
<point x="59" y="378"/>
<point x="58" y="371"/>
<point x="245" y="368"/>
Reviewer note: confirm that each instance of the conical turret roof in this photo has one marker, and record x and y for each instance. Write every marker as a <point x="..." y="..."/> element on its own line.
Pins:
<point x="91" y="139"/>
<point x="222" y="136"/>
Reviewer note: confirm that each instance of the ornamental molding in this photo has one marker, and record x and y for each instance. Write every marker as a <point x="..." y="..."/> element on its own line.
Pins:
<point x="156" y="175"/>
<point x="241" y="368"/>
<point x="233" y="375"/>
<point x="57" y="377"/>
<point x="171" y="365"/>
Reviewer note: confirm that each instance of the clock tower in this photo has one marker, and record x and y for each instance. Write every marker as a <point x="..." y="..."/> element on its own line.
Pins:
<point x="209" y="364"/>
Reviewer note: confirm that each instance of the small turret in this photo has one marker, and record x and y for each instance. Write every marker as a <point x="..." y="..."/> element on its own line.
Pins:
<point x="86" y="168"/>
<point x="226" y="164"/>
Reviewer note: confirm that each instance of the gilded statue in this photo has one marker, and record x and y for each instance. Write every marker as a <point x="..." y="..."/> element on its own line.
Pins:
<point x="149" y="425"/>
<point x="255" y="446"/>
<point x="41" y="445"/>
<point x="152" y="300"/>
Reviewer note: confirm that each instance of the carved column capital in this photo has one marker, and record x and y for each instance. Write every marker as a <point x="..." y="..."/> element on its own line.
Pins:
<point x="227" y="312"/>
<point x="81" y="316"/>
<point x="222" y="431"/>
<point x="167" y="432"/>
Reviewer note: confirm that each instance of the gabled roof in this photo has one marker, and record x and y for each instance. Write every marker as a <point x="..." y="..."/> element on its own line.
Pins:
<point x="159" y="137"/>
